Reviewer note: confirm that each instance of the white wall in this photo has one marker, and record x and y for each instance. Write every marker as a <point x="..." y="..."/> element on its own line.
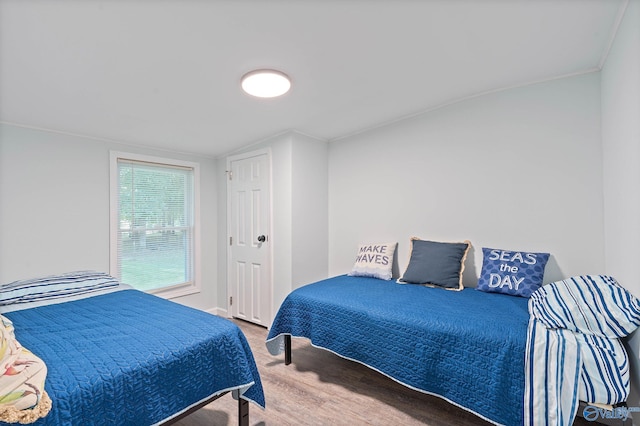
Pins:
<point x="621" y="150"/>
<point x="621" y="158"/>
<point x="310" y="236"/>
<point x="54" y="207"/>
<point x="519" y="169"/>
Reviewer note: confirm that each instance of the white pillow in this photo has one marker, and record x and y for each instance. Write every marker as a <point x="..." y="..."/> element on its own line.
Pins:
<point x="374" y="260"/>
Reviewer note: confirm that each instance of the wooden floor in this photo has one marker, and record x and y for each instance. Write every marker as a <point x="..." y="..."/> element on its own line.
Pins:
<point x="320" y="388"/>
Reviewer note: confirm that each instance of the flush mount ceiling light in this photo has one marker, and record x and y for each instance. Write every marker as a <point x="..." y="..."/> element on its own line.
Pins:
<point x="266" y="83"/>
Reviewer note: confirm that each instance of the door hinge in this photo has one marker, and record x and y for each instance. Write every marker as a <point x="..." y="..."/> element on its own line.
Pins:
<point x="230" y="300"/>
<point x="230" y="241"/>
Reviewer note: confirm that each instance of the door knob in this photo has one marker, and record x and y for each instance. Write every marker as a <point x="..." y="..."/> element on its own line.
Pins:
<point x="262" y="239"/>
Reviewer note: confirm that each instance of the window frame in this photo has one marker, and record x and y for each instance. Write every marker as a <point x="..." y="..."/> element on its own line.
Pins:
<point x="173" y="291"/>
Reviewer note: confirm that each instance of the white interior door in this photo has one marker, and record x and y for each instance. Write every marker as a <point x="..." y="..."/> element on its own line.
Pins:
<point x="249" y="272"/>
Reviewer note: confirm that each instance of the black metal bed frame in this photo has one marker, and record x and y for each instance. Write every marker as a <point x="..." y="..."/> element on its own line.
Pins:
<point x="243" y="410"/>
<point x="287" y="349"/>
<point x="621" y="422"/>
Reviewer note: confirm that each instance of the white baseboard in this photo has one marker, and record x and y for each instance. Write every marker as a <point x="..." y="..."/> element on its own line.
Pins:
<point x="219" y="312"/>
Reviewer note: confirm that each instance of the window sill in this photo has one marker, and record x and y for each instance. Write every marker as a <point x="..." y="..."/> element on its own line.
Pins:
<point x="176" y="291"/>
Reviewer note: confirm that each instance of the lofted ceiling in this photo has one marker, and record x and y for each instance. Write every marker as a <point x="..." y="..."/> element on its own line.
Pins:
<point x="166" y="73"/>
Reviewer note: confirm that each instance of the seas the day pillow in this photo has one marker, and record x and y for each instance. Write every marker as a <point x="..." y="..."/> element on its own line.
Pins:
<point x="516" y="273"/>
<point x="374" y="260"/>
<point x="436" y="264"/>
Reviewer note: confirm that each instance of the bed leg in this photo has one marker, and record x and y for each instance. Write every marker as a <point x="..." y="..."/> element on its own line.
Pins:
<point x="243" y="412"/>
<point x="287" y="349"/>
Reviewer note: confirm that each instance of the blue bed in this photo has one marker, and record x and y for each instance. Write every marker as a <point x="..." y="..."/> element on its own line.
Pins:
<point x="130" y="358"/>
<point x="465" y="346"/>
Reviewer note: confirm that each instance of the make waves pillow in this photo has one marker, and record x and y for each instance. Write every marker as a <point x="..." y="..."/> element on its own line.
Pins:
<point x="374" y="260"/>
<point x="516" y="273"/>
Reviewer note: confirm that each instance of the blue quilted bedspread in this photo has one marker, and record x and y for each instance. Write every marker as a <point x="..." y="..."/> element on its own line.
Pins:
<point x="467" y="347"/>
<point x="130" y="358"/>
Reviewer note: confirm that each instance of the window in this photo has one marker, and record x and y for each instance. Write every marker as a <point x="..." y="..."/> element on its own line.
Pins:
<point x="154" y="212"/>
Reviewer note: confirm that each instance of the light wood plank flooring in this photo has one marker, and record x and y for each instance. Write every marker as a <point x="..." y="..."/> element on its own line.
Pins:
<point x="320" y="388"/>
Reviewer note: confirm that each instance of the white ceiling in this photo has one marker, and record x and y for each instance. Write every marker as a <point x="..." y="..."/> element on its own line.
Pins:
<point x="166" y="73"/>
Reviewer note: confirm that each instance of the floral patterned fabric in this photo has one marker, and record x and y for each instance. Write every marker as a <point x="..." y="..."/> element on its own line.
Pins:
<point x="22" y="396"/>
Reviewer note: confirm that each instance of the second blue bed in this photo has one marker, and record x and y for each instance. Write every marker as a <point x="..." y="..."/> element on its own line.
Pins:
<point x="465" y="346"/>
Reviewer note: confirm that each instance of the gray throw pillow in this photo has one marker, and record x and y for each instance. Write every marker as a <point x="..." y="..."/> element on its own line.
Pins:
<point x="436" y="264"/>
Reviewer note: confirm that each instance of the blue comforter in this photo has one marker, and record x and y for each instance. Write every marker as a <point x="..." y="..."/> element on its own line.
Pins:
<point x="467" y="347"/>
<point x="130" y="358"/>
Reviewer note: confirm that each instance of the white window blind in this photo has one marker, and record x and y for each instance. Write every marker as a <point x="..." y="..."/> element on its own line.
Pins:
<point x="155" y="225"/>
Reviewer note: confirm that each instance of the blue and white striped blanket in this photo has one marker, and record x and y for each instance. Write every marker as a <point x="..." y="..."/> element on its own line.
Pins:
<point x="573" y="348"/>
<point x="51" y="289"/>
